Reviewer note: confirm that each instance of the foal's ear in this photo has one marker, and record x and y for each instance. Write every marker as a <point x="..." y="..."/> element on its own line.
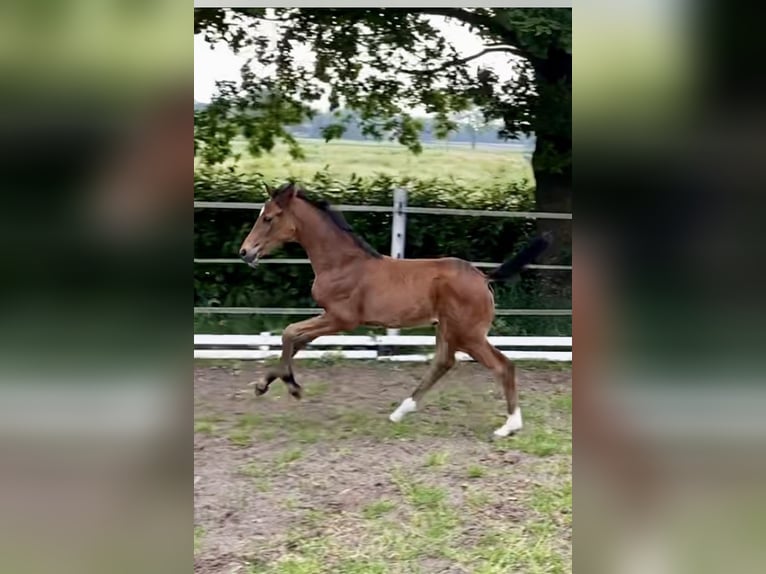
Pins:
<point x="269" y="190"/>
<point x="287" y="193"/>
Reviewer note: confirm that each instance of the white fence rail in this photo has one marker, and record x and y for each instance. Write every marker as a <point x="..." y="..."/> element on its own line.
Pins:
<point x="389" y="209"/>
<point x="373" y="341"/>
<point x="241" y="346"/>
<point x="260" y="347"/>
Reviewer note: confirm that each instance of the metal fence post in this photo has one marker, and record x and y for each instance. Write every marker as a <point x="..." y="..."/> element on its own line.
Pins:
<point x="398" y="231"/>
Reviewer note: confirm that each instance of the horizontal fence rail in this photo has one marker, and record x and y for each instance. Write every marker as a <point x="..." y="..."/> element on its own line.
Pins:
<point x="242" y="354"/>
<point x="287" y="261"/>
<point x="240" y="347"/>
<point x="375" y="340"/>
<point x="390" y="209"/>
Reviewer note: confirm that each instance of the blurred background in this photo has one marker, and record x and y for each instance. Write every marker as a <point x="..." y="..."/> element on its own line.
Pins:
<point x="95" y="244"/>
<point x="669" y="393"/>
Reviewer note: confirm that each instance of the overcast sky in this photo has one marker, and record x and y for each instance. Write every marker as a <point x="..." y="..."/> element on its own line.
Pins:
<point x="213" y="63"/>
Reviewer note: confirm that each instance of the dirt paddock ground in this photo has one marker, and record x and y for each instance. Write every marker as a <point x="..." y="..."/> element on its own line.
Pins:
<point x="329" y="485"/>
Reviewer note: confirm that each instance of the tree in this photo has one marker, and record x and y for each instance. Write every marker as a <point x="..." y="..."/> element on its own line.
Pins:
<point x="379" y="63"/>
<point x="473" y="122"/>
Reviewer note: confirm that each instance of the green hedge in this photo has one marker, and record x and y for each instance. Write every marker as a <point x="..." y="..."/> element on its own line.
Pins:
<point x="219" y="233"/>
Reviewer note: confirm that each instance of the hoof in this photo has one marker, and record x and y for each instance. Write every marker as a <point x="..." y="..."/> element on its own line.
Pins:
<point x="261" y="390"/>
<point x="512" y="425"/>
<point x="408" y="406"/>
<point x="293" y="387"/>
<point x="498" y="435"/>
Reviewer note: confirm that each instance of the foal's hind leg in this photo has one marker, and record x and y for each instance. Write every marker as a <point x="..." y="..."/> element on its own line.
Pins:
<point x="504" y="371"/>
<point x="444" y="359"/>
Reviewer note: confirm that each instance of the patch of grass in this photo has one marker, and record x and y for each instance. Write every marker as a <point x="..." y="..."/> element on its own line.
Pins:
<point x="207" y="424"/>
<point x="476" y="471"/>
<point x="317" y="389"/>
<point x="305" y="434"/>
<point x="361" y="566"/>
<point x="240" y="437"/>
<point x="290" y="502"/>
<point x="554" y="499"/>
<point x="330" y="359"/>
<point x="477" y="499"/>
<point x="242" y="433"/>
<point x="352" y="424"/>
<point x="313" y="519"/>
<point x="503" y="550"/>
<point x="199" y="534"/>
<point x="541" y="441"/>
<point x="424" y="496"/>
<point x="289" y="456"/>
<point x="422" y="531"/>
<point x="419" y="495"/>
<point x="249" y="421"/>
<point x="204" y="427"/>
<point x="378" y="508"/>
<point x="313" y="557"/>
<point x="540" y="365"/>
<point x="262" y="471"/>
<point x="267" y="433"/>
<point x="437" y="459"/>
<point x="292" y="565"/>
<point x="254" y="470"/>
<point x="562" y="403"/>
<point x="429" y="535"/>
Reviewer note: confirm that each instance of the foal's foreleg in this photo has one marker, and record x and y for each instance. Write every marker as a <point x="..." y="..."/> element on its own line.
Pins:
<point x="295" y="337"/>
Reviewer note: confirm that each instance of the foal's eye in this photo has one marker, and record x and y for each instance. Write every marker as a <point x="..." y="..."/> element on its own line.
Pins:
<point x="267" y="219"/>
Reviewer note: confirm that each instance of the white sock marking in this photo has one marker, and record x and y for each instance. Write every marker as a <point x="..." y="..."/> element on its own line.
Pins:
<point x="512" y="424"/>
<point x="407" y="406"/>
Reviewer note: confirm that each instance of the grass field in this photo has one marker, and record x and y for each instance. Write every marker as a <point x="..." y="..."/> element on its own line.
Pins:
<point x="484" y="165"/>
<point x="329" y="485"/>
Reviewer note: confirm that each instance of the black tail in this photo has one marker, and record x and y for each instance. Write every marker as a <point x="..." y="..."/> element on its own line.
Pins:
<point x="515" y="264"/>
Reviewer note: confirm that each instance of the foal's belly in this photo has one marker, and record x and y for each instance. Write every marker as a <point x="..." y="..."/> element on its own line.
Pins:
<point x="394" y="311"/>
<point x="403" y="292"/>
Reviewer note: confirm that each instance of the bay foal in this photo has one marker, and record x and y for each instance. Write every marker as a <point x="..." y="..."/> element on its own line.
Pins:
<point x="355" y="285"/>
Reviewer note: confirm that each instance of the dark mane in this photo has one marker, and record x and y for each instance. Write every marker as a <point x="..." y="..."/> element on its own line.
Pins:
<point x="334" y="216"/>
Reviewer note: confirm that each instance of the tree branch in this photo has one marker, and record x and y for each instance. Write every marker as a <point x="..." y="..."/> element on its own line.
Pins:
<point x="478" y="20"/>
<point x="461" y="61"/>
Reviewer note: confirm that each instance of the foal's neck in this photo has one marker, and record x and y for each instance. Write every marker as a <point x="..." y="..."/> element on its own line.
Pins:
<point x="328" y="247"/>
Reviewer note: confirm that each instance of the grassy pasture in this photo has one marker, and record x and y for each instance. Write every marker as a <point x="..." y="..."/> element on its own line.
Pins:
<point x="483" y="165"/>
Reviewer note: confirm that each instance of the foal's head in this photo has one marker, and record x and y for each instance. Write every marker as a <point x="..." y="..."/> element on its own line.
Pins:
<point x="274" y="227"/>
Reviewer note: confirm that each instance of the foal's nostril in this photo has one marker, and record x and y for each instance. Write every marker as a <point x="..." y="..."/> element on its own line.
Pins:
<point x="242" y="252"/>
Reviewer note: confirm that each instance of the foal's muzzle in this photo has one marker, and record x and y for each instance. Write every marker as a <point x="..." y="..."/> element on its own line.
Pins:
<point x="250" y="257"/>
